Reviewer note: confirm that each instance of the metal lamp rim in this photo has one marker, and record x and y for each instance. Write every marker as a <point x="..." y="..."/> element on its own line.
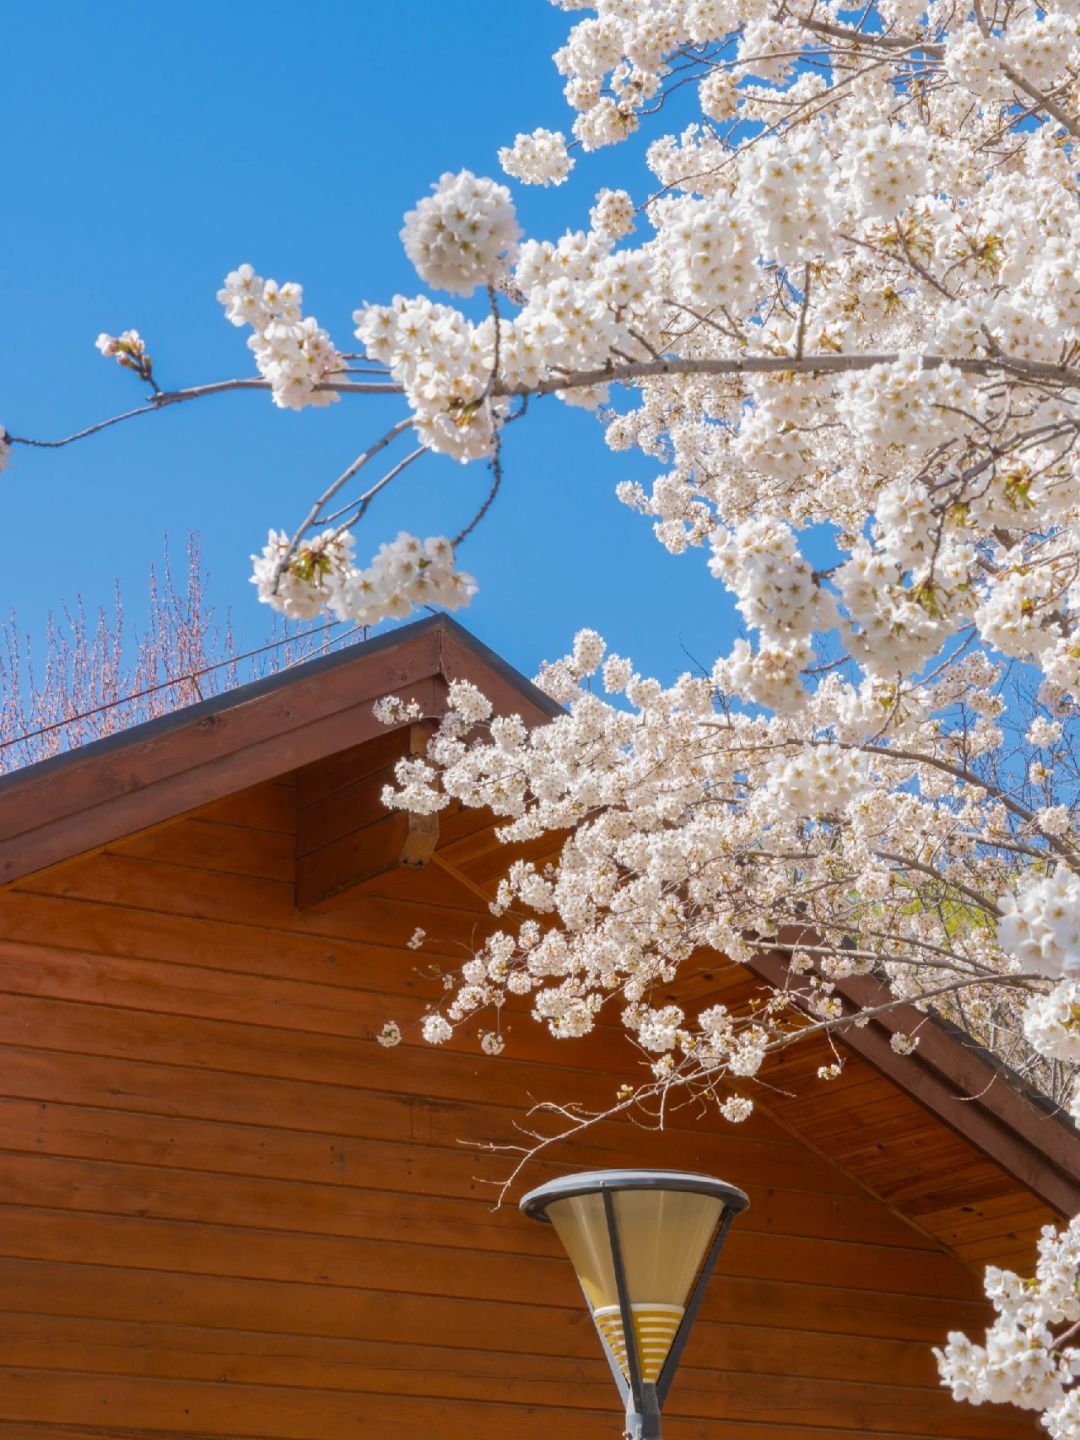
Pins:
<point x="590" y="1182"/>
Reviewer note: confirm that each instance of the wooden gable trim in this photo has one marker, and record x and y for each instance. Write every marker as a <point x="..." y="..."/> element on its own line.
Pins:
<point x="966" y="1088"/>
<point x="75" y="803"/>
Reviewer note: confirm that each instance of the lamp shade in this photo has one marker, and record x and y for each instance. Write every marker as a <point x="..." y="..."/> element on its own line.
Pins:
<point x="664" y="1221"/>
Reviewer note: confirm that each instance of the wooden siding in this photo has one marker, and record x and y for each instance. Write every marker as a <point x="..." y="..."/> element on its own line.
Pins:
<point x="227" y="1212"/>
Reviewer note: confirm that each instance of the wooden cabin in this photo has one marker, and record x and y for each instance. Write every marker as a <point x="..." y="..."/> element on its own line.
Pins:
<point x="228" y="1213"/>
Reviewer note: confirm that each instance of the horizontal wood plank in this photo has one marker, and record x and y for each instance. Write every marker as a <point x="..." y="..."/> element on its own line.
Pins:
<point x="348" y="1156"/>
<point x="269" y="806"/>
<point x="418" y="1255"/>
<point x="291" y="1307"/>
<point x="443" y="1373"/>
<point x="123" y="1187"/>
<point x="282" y="1412"/>
<point x="213" y="845"/>
<point x="525" y="1342"/>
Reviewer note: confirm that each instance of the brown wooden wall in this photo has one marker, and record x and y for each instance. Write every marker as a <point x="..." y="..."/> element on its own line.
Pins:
<point x="227" y="1212"/>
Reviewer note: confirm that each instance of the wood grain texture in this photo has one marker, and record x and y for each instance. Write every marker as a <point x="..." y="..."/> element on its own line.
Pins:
<point x="345" y="836"/>
<point x="226" y="1213"/>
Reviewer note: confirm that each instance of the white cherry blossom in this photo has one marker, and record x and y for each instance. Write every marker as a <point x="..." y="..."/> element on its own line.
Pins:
<point x="537" y="159"/>
<point x="1041" y="923"/>
<point x="319" y="576"/>
<point x="463" y="235"/>
<point x="294" y="354"/>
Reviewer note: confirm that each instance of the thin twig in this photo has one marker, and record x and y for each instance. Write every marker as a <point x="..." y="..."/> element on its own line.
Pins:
<point x="496" y="482"/>
<point x="199" y="392"/>
<point x="312" y="517"/>
<point x="362" y="502"/>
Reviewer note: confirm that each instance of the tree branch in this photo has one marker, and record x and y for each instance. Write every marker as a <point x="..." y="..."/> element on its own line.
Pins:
<point x="792" y="364"/>
<point x="312" y="517"/>
<point x="198" y="392"/>
<point x="871" y="41"/>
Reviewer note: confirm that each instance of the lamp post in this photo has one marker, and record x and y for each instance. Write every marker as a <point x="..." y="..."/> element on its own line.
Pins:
<point x="643" y="1243"/>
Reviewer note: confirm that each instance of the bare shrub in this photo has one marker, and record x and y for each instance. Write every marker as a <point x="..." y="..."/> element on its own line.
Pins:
<point x="93" y="673"/>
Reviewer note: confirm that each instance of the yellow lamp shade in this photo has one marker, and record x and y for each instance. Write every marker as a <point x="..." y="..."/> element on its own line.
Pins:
<point x="663" y="1235"/>
<point x="665" y="1222"/>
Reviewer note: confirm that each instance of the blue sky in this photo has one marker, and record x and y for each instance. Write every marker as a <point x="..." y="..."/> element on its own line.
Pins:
<point x="153" y="148"/>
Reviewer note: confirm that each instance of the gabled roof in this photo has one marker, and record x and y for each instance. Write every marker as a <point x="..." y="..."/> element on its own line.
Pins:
<point x="60" y="809"/>
<point x="148" y="775"/>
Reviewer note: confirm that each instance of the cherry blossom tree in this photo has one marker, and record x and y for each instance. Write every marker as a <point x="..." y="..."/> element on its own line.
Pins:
<point x="846" y="320"/>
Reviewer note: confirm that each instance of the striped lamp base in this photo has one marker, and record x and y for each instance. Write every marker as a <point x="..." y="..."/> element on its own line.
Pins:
<point x="654" y="1328"/>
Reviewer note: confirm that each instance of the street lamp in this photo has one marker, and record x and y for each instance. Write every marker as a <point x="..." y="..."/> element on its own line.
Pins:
<point x="643" y="1243"/>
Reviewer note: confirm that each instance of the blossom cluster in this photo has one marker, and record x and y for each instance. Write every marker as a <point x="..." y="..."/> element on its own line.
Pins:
<point x="319" y="577"/>
<point x="296" y="355"/>
<point x="760" y="561"/>
<point x="446" y="365"/>
<point x="1040" y="924"/>
<point x="580" y="303"/>
<point x="463" y="235"/>
<point x="129" y="350"/>
<point x="1052" y="1024"/>
<point x="537" y="159"/>
<point x="683" y="821"/>
<point x="612" y="217"/>
<point x="1024" y="1360"/>
<point x="820" y="781"/>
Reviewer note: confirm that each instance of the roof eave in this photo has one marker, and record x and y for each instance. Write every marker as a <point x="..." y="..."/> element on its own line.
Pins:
<point x="74" y="803"/>
<point x="970" y="1091"/>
